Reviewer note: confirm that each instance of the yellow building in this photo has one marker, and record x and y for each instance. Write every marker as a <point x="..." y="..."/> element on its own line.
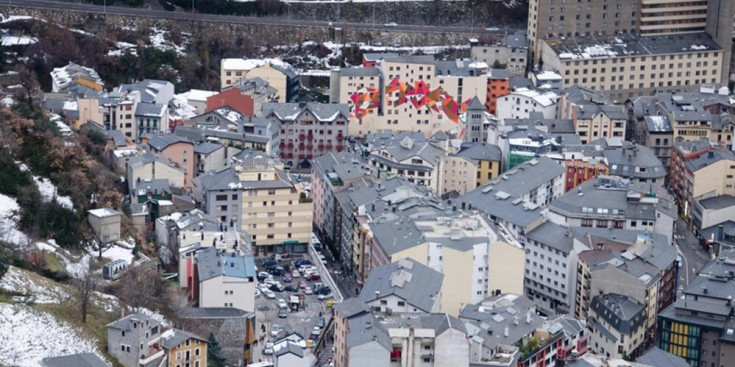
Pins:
<point x="473" y="165"/>
<point x="184" y="349"/>
<point x="276" y="211"/>
<point x="277" y="73"/>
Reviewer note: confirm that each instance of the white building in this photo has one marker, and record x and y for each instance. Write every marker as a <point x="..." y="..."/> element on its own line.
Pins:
<point x="224" y="280"/>
<point x="523" y="101"/>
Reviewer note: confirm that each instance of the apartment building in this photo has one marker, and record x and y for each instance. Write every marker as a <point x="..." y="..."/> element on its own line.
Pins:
<point x="234" y="329"/>
<point x="510" y="53"/>
<point x="260" y="198"/>
<point x="178" y="149"/>
<point x="348" y="82"/>
<point x="230" y="127"/>
<point x="409" y="156"/>
<point x="246" y="96"/>
<point x="330" y="174"/>
<point x="630" y="65"/>
<point x="223" y="279"/>
<point x="522" y="102"/>
<point x="699" y="326"/>
<point x="522" y="143"/>
<point x="593" y="121"/>
<point x="498" y="85"/>
<point x="477" y="122"/>
<point x="149" y="166"/>
<point x="582" y="163"/>
<point x="575" y="96"/>
<point x="711" y="213"/>
<point x="76" y="79"/>
<point x="473" y="165"/>
<point x="617" y="326"/>
<point x="404" y="286"/>
<point x="614" y="202"/>
<point x="632" y="161"/>
<point x="700" y="170"/>
<point x="448" y="242"/>
<point x="276" y="73"/>
<point x="356" y="342"/>
<point x="182" y="348"/>
<point x="308" y="130"/>
<point x="697" y="115"/>
<point x="515" y="199"/>
<point x="637" y="265"/>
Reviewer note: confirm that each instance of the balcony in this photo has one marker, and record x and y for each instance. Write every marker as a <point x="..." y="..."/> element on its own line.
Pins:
<point x="302" y="136"/>
<point x="340" y="147"/>
<point x="340" y="137"/>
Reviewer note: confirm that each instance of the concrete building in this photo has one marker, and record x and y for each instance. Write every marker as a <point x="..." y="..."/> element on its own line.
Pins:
<point x="276" y="73"/>
<point x="477" y="122"/>
<point x="211" y="156"/>
<point x="510" y="53"/>
<point x="308" y="130"/>
<point x="498" y="85"/>
<point x="699" y="326"/>
<point x="177" y="149"/>
<point x="346" y="82"/>
<point x="713" y="211"/>
<point x="522" y="143"/>
<point x="246" y="96"/>
<point x="630" y="65"/>
<point x="256" y="195"/>
<point x="520" y="103"/>
<point x="514" y="201"/>
<point x="105" y="223"/>
<point x="234" y="329"/>
<point x="404" y="286"/>
<point x="231" y="128"/>
<point x="149" y="166"/>
<point x="358" y="340"/>
<point x="613" y="202"/>
<point x="593" y="121"/>
<point x="582" y="163"/>
<point x="197" y="98"/>
<point x="631" y="161"/>
<point x="473" y="165"/>
<point x="617" y="326"/>
<point x="698" y="171"/>
<point x="135" y="340"/>
<point x="223" y="280"/>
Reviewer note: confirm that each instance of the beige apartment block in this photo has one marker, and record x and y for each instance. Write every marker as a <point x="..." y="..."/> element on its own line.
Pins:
<point x="275" y="72"/>
<point x="275" y="211"/>
<point x="629" y="65"/>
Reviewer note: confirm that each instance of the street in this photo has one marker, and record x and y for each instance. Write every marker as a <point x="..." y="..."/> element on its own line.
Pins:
<point x="692" y="255"/>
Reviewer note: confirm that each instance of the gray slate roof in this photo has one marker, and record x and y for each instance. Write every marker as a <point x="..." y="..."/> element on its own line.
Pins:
<point x="656" y="357"/>
<point x="358" y="72"/>
<point x="480" y="152"/>
<point x="175" y="337"/>
<point x="126" y="322"/>
<point x="521" y="180"/>
<point x="74" y="360"/>
<point x="351" y="307"/>
<point x="622" y="313"/>
<point x="718" y="202"/>
<point x="292" y="348"/>
<point x="630" y="160"/>
<point x="159" y="142"/>
<point x="207" y="148"/>
<point x="407" y="279"/>
<point x="212" y="313"/>
<point x="292" y="111"/>
<point x="149" y="109"/>
<point x="553" y="235"/>
<point x="211" y="264"/>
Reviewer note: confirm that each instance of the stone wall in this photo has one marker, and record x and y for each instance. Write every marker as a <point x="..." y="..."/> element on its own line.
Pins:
<point x="260" y="34"/>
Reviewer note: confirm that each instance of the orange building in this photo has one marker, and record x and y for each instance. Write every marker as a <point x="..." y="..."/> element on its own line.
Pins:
<point x="234" y="99"/>
<point x="581" y="170"/>
<point x="184" y="349"/>
<point x="498" y="85"/>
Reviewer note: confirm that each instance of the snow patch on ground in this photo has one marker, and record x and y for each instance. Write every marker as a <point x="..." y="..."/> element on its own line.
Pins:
<point x="121" y="48"/>
<point x="27" y="336"/>
<point x="17" y="40"/>
<point x="13" y="18"/>
<point x="49" y="192"/>
<point x="160" y="41"/>
<point x="9" y="215"/>
<point x="31" y="287"/>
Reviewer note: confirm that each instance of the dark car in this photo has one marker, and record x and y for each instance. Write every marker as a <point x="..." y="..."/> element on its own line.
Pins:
<point x="318" y="247"/>
<point x="276" y="272"/>
<point x="302" y="262"/>
<point x="322" y="290"/>
<point x="291" y="288"/>
<point x="262" y="276"/>
<point x="320" y="322"/>
<point x="276" y="288"/>
<point x="283" y="313"/>
<point x="270" y="264"/>
<point x="312" y="277"/>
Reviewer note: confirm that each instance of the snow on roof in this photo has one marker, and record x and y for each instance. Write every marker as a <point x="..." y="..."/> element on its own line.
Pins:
<point x="545" y="99"/>
<point x="103" y="212"/>
<point x="197" y="95"/>
<point x="548" y="75"/>
<point x="249" y="64"/>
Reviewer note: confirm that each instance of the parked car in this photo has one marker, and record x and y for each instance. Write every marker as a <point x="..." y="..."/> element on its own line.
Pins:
<point x="323" y="297"/>
<point x="256" y="293"/>
<point x="322" y="290"/>
<point x="276" y="288"/>
<point x="269" y="294"/>
<point x="320" y="322"/>
<point x="276" y="272"/>
<point x="263" y="287"/>
<point x="302" y="285"/>
<point x="391" y="24"/>
<point x="302" y="262"/>
<point x="282" y="303"/>
<point x="308" y="290"/>
<point x="317" y="285"/>
<point x="271" y="281"/>
<point x="287" y="278"/>
<point x="291" y="288"/>
<point x="295" y="274"/>
<point x="283" y="313"/>
<point x="262" y="276"/>
<point x="313" y="276"/>
<point x="270" y="264"/>
<point x="268" y="350"/>
<point x="276" y="329"/>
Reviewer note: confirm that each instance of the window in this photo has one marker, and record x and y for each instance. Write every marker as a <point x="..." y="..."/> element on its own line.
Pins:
<point x="401" y="303"/>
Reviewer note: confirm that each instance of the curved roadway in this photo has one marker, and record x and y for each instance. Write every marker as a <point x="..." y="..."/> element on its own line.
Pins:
<point x="281" y="22"/>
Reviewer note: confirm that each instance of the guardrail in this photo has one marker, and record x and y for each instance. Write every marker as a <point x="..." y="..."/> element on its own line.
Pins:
<point x="325" y="275"/>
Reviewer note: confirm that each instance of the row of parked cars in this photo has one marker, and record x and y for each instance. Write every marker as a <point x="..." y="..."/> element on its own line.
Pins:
<point x="302" y="269"/>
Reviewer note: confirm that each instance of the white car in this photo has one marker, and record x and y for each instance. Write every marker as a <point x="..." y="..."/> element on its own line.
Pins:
<point x="308" y="290"/>
<point x="323" y="297"/>
<point x="269" y="294"/>
<point x="268" y="350"/>
<point x="263" y="287"/>
<point x="295" y="274"/>
<point x="275" y="329"/>
<point x="282" y="303"/>
<point x="391" y="24"/>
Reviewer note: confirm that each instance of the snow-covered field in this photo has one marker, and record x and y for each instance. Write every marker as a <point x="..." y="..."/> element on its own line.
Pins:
<point x="49" y="192"/>
<point x="31" y="287"/>
<point x="9" y="222"/>
<point x="27" y="336"/>
<point x="160" y="40"/>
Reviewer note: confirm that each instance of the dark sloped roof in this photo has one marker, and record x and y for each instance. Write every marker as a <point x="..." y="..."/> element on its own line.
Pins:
<point x="656" y="357"/>
<point x="212" y="313"/>
<point x="174" y="337"/>
<point x="416" y="283"/>
<point x="74" y="360"/>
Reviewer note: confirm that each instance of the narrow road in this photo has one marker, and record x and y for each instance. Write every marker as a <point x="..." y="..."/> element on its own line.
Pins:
<point x="272" y="21"/>
<point x="692" y="255"/>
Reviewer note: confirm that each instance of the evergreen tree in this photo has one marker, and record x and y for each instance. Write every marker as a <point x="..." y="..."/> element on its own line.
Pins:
<point x="215" y="358"/>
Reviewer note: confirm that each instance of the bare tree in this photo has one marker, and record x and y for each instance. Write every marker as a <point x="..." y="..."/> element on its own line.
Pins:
<point x="85" y="286"/>
<point x="142" y="287"/>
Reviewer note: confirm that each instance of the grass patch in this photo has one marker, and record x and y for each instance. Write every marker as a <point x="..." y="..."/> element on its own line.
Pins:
<point x="54" y="263"/>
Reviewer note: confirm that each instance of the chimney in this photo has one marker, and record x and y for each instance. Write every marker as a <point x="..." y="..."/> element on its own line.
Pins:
<point x="377" y="294"/>
<point x="720" y="232"/>
<point x="528" y="317"/>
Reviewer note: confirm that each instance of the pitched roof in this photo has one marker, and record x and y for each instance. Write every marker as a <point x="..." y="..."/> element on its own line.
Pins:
<point x="207" y="148"/>
<point x="348" y="72"/>
<point x="126" y="322"/>
<point x="211" y="264"/>
<point x="718" y="202"/>
<point x="291" y="348"/>
<point x="351" y="307"/>
<point x="174" y="337"/>
<point x="656" y="357"/>
<point x="475" y="104"/>
<point x="160" y="142"/>
<point x="74" y="360"/>
<point x="553" y="235"/>
<point x="620" y="312"/>
<point x="150" y="109"/>
<point x="417" y="284"/>
<point x="292" y="111"/>
<point x="212" y="313"/>
<point x="480" y="151"/>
